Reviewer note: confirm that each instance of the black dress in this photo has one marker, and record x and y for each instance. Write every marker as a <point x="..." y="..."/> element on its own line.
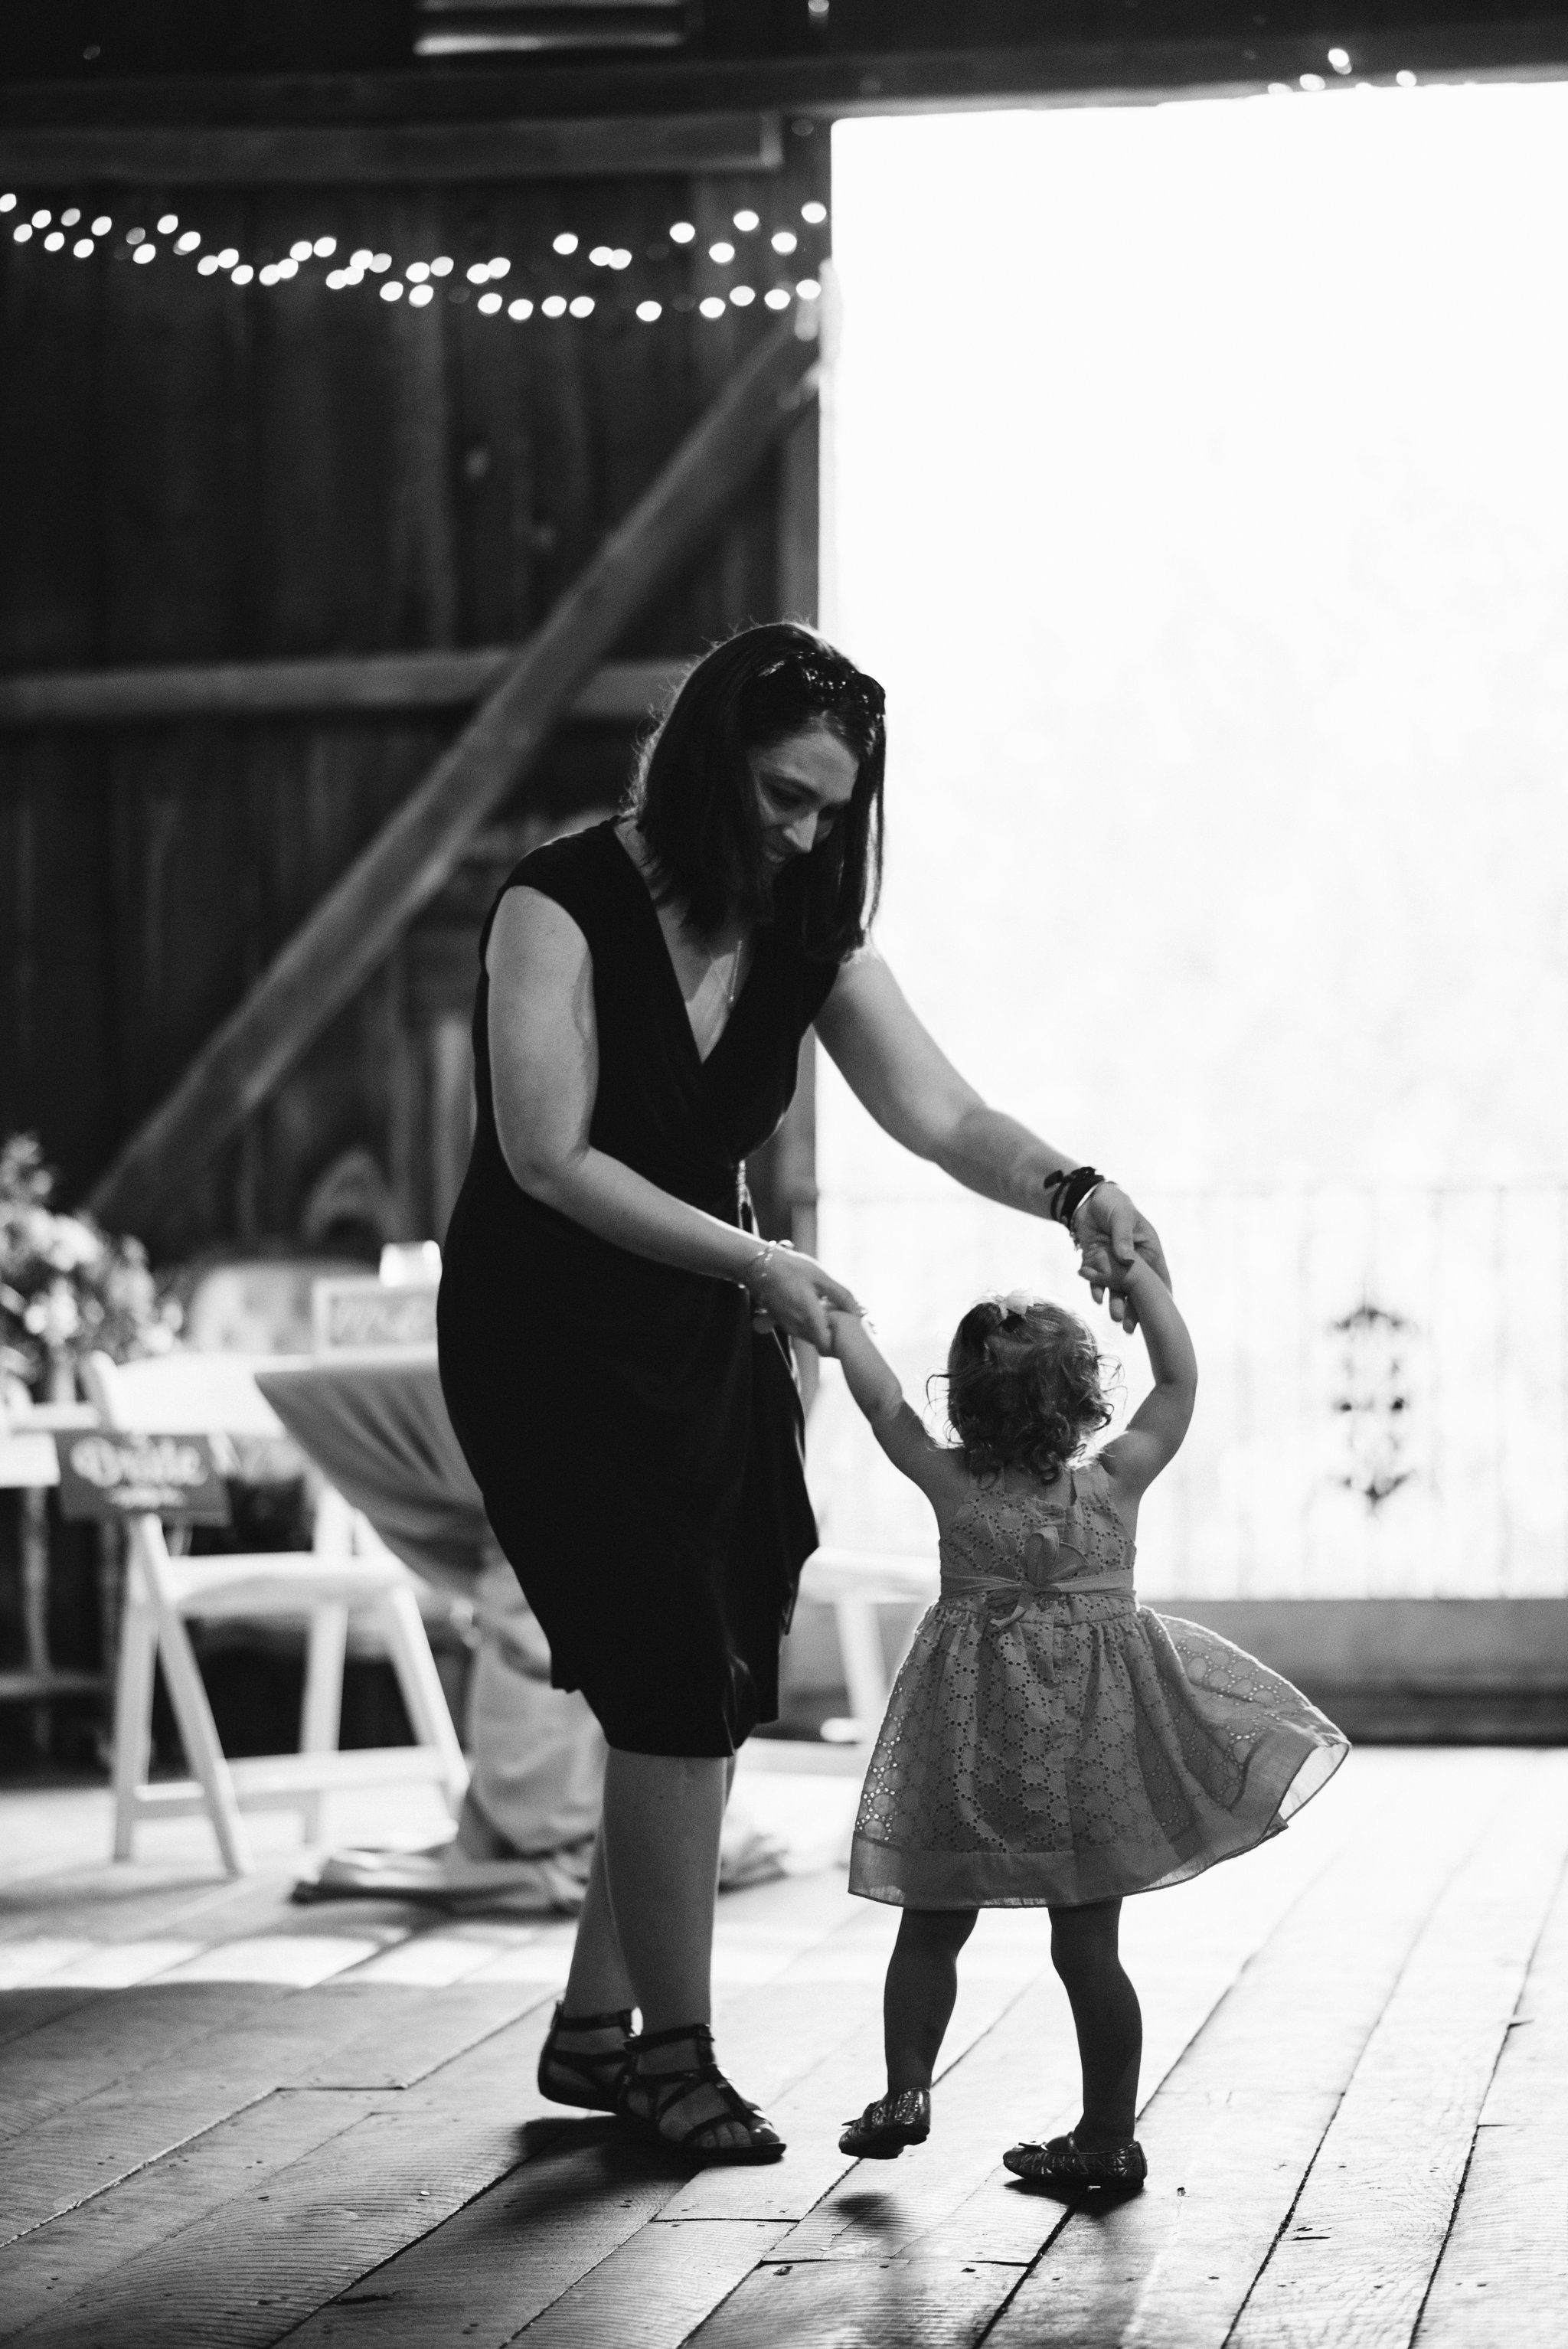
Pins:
<point x="637" y="1444"/>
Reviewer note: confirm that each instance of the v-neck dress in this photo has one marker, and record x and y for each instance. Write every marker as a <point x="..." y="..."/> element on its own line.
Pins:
<point x="638" y="1446"/>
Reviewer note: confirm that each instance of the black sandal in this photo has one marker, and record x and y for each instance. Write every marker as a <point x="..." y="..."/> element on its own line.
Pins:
<point x="1062" y="2163"/>
<point x="665" y="2091"/>
<point x="884" y="2129"/>
<point x="588" y="2077"/>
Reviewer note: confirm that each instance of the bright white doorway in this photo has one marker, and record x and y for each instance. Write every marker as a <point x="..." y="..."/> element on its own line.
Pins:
<point x="1202" y="497"/>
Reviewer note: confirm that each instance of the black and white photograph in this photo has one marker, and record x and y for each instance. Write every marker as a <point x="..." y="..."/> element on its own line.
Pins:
<point x="783" y="1174"/>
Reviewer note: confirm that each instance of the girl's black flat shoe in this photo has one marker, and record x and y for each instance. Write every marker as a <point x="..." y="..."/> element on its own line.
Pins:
<point x="652" y="2102"/>
<point x="884" y="2129"/>
<point x="587" y="2077"/>
<point x="1062" y="2162"/>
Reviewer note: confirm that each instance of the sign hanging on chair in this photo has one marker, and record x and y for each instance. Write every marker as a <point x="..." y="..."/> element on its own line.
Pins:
<point x="109" y="1478"/>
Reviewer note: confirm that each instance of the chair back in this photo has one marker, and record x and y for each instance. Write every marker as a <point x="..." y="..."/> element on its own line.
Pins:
<point x="181" y="1393"/>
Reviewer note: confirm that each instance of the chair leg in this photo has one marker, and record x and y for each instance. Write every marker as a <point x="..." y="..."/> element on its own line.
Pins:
<point x="133" y="1714"/>
<point x="320" y="1715"/>
<point x="198" y="1734"/>
<point x="860" y="1645"/>
<point x="429" y="1713"/>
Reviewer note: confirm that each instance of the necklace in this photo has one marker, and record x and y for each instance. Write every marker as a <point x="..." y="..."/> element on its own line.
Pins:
<point x="730" y="983"/>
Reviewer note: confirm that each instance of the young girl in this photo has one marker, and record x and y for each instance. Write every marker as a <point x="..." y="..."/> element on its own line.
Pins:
<point x="1048" y="1741"/>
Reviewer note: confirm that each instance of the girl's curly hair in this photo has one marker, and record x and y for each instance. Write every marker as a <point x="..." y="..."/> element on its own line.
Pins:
<point x="1024" y="1387"/>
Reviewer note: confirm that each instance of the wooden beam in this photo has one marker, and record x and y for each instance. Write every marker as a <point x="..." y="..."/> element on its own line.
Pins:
<point x="1382" y="39"/>
<point x="346" y="684"/>
<point x="178" y="154"/>
<point x="327" y="961"/>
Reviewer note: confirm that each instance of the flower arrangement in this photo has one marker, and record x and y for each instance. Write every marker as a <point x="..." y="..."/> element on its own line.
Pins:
<point x="66" y="1287"/>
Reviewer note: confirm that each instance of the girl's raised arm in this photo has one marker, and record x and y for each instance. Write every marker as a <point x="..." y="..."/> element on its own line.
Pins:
<point x="875" y="1388"/>
<point x="1153" y="1434"/>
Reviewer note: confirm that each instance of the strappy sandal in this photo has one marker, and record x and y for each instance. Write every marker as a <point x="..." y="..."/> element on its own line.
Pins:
<point x="665" y="2092"/>
<point x="1063" y="2163"/>
<point x="588" y="2077"/>
<point x="885" y="2128"/>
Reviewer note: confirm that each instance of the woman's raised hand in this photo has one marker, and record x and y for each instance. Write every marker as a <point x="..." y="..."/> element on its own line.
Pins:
<point x="795" y="1292"/>
<point x="1111" y="1234"/>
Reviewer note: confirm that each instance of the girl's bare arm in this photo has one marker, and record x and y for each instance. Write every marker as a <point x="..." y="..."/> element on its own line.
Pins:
<point x="1153" y="1434"/>
<point x="875" y="1388"/>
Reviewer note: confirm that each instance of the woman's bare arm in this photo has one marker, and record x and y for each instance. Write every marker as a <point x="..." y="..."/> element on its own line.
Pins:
<point x="897" y="1071"/>
<point x="544" y="1074"/>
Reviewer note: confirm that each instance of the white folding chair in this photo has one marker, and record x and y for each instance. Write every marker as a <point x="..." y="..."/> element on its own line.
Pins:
<point x="855" y="1583"/>
<point x="349" y="1570"/>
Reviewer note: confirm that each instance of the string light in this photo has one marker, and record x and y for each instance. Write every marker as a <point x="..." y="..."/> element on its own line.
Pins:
<point x="415" y="276"/>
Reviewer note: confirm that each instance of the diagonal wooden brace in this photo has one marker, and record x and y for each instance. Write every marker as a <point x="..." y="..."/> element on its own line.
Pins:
<point x="361" y="917"/>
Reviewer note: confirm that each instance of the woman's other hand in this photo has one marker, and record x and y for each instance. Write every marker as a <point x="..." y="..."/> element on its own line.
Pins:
<point x="1112" y="1235"/>
<point x="797" y="1293"/>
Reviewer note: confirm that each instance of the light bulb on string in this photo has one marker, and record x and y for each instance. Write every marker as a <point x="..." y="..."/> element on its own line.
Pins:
<point x="229" y="256"/>
<point x="243" y="275"/>
<point x="301" y="249"/>
<point x="682" y="233"/>
<point x="489" y="303"/>
<point x="582" y="306"/>
<point x="42" y="219"/>
<point x="814" y="213"/>
<point x="69" y="219"/>
<point x="476" y="273"/>
<point x="522" y="308"/>
<point x="168" y="223"/>
<point x="721" y="253"/>
<point x="807" y="289"/>
<point x="22" y="231"/>
<point x="102" y="225"/>
<point x="416" y="272"/>
<point x="393" y="290"/>
<point x="83" y="246"/>
<point x="442" y="265"/>
<point x="325" y="247"/>
<point x="208" y="265"/>
<point x="784" y="240"/>
<point x="500" y="266"/>
<point x="742" y="296"/>
<point x="649" y="311"/>
<point x="188" y="243"/>
<point x="746" y="222"/>
<point x="7" y="201"/>
<point x="54" y="241"/>
<point x="776" y="297"/>
<point x="554" y="305"/>
<point x="145" y="252"/>
<point x="712" y="307"/>
<point x="566" y="243"/>
<point x="419" y="294"/>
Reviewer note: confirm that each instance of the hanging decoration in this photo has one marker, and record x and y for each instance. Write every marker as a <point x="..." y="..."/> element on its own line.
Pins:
<point x="764" y="262"/>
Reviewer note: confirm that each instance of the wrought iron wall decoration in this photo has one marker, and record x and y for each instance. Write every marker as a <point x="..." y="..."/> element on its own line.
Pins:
<point x="1374" y="1402"/>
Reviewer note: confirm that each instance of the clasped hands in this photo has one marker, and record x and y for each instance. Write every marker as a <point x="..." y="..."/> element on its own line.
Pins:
<point x="793" y="1292"/>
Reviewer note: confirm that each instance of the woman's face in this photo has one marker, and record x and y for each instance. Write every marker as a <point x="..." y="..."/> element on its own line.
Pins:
<point x="804" y="782"/>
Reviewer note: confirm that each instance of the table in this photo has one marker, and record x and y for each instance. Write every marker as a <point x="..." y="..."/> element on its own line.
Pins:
<point x="29" y="1465"/>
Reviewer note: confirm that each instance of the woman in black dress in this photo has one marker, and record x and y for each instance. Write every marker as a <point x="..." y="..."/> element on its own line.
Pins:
<point x="613" y="1335"/>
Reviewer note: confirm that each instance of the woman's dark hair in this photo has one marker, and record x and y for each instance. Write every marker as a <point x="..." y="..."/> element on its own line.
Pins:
<point x="694" y="804"/>
<point x="1024" y="1387"/>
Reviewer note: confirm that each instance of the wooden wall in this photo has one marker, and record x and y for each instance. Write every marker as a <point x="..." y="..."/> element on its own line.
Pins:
<point x="190" y="473"/>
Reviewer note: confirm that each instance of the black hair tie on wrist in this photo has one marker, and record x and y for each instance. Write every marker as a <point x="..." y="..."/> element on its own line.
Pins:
<point x="1067" y="1191"/>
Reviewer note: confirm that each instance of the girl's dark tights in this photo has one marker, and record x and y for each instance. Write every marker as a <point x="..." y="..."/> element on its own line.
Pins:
<point x="923" y="1982"/>
<point x="1106" y="2016"/>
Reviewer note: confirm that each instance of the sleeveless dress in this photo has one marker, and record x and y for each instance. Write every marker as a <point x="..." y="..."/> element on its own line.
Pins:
<point x="1050" y="1743"/>
<point x="638" y="1443"/>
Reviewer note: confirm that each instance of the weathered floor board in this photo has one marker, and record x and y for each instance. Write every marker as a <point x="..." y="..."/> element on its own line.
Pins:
<point x="232" y="2122"/>
<point x="1502" y="2279"/>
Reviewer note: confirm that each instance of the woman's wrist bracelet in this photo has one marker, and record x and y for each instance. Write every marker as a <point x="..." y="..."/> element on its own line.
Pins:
<point x="757" y="1271"/>
<point x="1067" y="1190"/>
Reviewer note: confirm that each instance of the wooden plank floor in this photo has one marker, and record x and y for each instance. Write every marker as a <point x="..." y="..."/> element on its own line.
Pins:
<point x="226" y="2120"/>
